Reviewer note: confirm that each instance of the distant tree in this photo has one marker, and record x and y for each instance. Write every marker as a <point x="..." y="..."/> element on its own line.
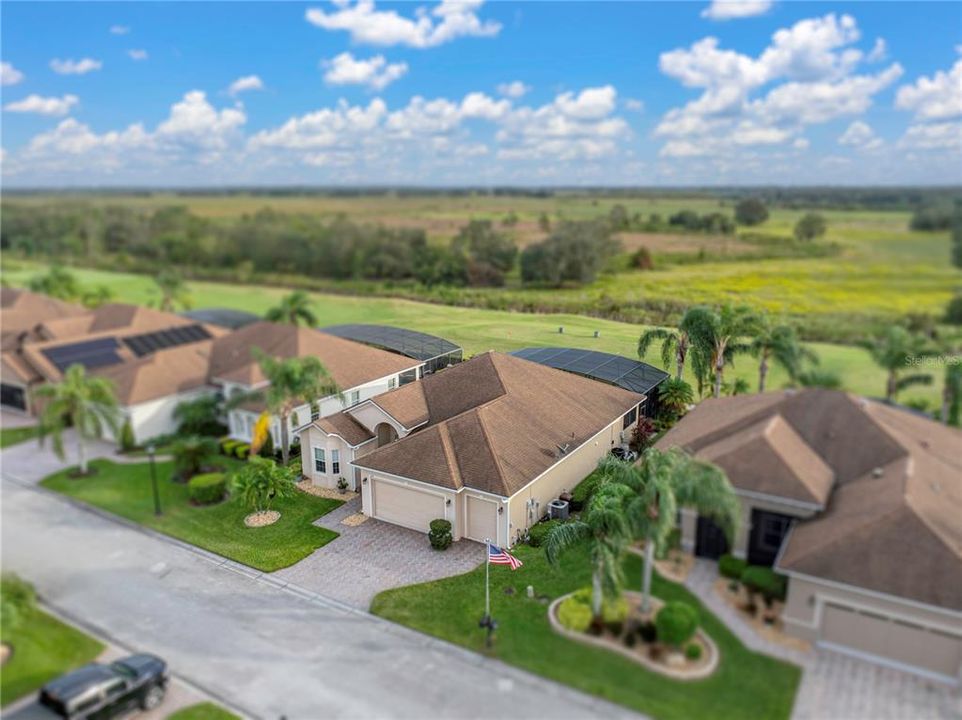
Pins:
<point x="486" y="247"/>
<point x="544" y="223"/>
<point x="96" y="296"/>
<point x="932" y="217"/>
<point x="810" y="226"/>
<point x="957" y="234"/>
<point x="618" y="218"/>
<point x="952" y="393"/>
<point x="896" y="350"/>
<point x="87" y="404"/>
<point x="440" y="266"/>
<point x="738" y="386"/>
<point x="751" y="211"/>
<point x="173" y="291"/>
<point x="953" y="310"/>
<point x="58" y="282"/>
<point x="293" y="309"/>
<point x="510" y="220"/>
<point x="778" y="344"/>
<point x="642" y="259"/>
<point x="575" y="251"/>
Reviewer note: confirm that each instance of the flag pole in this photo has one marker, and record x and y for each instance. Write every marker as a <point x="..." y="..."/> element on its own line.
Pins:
<point x="487" y="578"/>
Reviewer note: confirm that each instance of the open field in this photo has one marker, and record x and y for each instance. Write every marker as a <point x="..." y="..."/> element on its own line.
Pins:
<point x="479" y="330"/>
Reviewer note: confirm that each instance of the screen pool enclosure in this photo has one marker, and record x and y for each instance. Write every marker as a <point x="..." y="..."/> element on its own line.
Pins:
<point x="222" y="317"/>
<point x="435" y="352"/>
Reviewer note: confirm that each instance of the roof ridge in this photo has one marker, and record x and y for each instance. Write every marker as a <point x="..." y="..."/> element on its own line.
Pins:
<point x="487" y="441"/>
<point x="449" y="455"/>
<point x="777" y="419"/>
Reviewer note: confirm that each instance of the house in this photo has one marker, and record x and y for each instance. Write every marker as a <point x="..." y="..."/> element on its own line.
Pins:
<point x="359" y="370"/>
<point x="858" y="503"/>
<point x="485" y="444"/>
<point x="156" y="360"/>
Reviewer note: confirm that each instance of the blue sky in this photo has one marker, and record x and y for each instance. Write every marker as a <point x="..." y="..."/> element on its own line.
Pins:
<point x="472" y="93"/>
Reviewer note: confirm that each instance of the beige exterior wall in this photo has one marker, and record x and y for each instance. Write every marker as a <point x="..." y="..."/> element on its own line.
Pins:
<point x="900" y="632"/>
<point x="450" y="511"/>
<point x="370" y="416"/>
<point x="313" y="438"/>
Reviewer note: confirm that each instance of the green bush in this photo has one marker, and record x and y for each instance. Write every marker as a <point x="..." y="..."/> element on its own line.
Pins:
<point x="227" y="446"/>
<point x="766" y="581"/>
<point x="693" y="651"/>
<point x="267" y="449"/>
<point x="731" y="567"/>
<point x="612" y="611"/>
<point x="582" y="493"/>
<point x="953" y="311"/>
<point x="242" y="451"/>
<point x="208" y="488"/>
<point x="675" y="623"/>
<point x="539" y="533"/>
<point x="440" y="534"/>
<point x="17" y="599"/>
<point x="574" y="615"/>
<point x="127" y="441"/>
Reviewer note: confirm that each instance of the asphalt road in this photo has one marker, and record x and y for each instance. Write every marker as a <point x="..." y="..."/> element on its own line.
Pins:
<point x="266" y="651"/>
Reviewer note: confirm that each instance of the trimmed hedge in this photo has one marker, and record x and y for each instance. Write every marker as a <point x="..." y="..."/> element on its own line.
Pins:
<point x="242" y="451"/>
<point x="693" y="651"/>
<point x="574" y="614"/>
<point x="766" y="581"/>
<point x="676" y="622"/>
<point x="227" y="446"/>
<point x="440" y="534"/>
<point x="731" y="567"/>
<point x="612" y="611"/>
<point x="583" y="491"/>
<point x="208" y="488"/>
<point x="539" y="533"/>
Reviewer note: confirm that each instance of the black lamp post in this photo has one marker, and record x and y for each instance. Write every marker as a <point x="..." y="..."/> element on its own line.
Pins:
<point x="153" y="478"/>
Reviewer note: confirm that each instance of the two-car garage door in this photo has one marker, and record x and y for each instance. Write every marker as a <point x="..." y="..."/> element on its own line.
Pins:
<point x="405" y="505"/>
<point x="890" y="639"/>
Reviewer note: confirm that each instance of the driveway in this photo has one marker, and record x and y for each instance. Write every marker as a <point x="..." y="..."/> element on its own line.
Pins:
<point x="31" y="462"/>
<point x="375" y="556"/>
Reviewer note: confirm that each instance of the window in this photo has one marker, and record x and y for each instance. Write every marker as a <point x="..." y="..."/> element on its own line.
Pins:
<point x="391" y="383"/>
<point x="630" y="418"/>
<point x="319" y="464"/>
<point x="408" y="376"/>
<point x="315" y="411"/>
<point x="336" y="462"/>
<point x="355" y="397"/>
<point x="115" y="688"/>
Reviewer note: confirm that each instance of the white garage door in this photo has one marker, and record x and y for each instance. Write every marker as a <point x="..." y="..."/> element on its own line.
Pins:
<point x="482" y="519"/>
<point x="891" y="641"/>
<point x="407" y="506"/>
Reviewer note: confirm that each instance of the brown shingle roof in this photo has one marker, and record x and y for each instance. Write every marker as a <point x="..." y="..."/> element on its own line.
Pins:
<point x="351" y="364"/>
<point x="21" y="311"/>
<point x="496" y="422"/>
<point x="345" y="426"/>
<point x="163" y="373"/>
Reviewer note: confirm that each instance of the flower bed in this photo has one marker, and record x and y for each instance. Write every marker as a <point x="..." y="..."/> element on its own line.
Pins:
<point x="765" y="620"/>
<point x="653" y="655"/>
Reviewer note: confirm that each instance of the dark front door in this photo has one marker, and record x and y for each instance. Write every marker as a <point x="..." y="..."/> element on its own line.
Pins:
<point x="13" y="396"/>
<point x="768" y="531"/>
<point x="710" y="541"/>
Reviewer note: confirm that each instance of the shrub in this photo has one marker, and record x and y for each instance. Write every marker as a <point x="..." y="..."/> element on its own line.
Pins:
<point x="208" y="488"/>
<point x="642" y="260"/>
<point x="676" y="622"/>
<point x="261" y="482"/>
<point x="440" y="534"/>
<point x="191" y="453"/>
<point x="693" y="651"/>
<point x="953" y="311"/>
<point x="227" y="446"/>
<point x="127" y="441"/>
<point x="538" y="533"/>
<point x="17" y="599"/>
<point x="574" y="615"/>
<point x="242" y="451"/>
<point x="648" y="632"/>
<point x="582" y="493"/>
<point x="267" y="448"/>
<point x="612" y="611"/>
<point x="731" y="567"/>
<point x="764" y="580"/>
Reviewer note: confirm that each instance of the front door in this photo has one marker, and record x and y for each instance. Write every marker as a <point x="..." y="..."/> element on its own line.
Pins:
<point x="768" y="532"/>
<point x="710" y="541"/>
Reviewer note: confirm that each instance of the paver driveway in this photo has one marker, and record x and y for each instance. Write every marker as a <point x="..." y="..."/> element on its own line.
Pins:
<point x="375" y="556"/>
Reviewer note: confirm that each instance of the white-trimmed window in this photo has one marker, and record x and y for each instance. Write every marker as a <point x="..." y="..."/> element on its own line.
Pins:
<point x="354" y="397"/>
<point x="315" y="411"/>
<point x="320" y="465"/>
<point x="336" y="462"/>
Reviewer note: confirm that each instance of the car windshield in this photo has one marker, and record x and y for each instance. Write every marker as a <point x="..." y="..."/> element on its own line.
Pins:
<point x="123" y="670"/>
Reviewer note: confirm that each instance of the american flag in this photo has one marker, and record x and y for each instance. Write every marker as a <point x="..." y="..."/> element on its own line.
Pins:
<point x="497" y="556"/>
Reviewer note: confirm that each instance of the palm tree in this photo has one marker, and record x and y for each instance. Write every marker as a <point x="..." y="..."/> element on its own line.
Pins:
<point x="659" y="485"/>
<point x="894" y="350"/>
<point x="675" y="395"/>
<point x="815" y="377"/>
<point x="293" y="382"/>
<point x="716" y="338"/>
<point x="86" y="403"/>
<point x="263" y="481"/>
<point x="674" y="346"/>
<point x="604" y="527"/>
<point x="951" y="394"/>
<point x="778" y="344"/>
<point x="173" y="291"/>
<point x="294" y="309"/>
<point x="190" y="453"/>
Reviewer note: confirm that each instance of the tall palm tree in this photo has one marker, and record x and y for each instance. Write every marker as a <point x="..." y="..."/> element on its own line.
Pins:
<point x="951" y="394"/>
<point x="659" y="485"/>
<point x="778" y="344"/>
<point x="895" y="350"/>
<point x="86" y="403"/>
<point x="716" y="337"/>
<point x="293" y="382"/>
<point x="674" y="346"/>
<point x="173" y="291"/>
<point x="604" y="527"/>
<point x="294" y="309"/>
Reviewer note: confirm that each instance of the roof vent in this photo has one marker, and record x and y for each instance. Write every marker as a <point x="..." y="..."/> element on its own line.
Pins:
<point x="877" y="472"/>
<point x="562" y="449"/>
<point x="924" y="443"/>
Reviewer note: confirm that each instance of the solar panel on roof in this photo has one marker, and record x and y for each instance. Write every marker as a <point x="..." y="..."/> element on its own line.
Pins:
<point x="409" y="343"/>
<point x="613" y="369"/>
<point x="91" y="354"/>
<point x="147" y="343"/>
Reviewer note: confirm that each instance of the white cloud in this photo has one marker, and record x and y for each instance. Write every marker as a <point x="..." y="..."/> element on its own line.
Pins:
<point x="859" y="135"/>
<point x="75" y="67"/>
<point x="589" y="104"/>
<point x="325" y="128"/>
<point x="194" y="121"/>
<point x="137" y="54"/>
<point x="245" y="83"/>
<point x="9" y="75"/>
<point x="935" y="136"/>
<point x="479" y="105"/>
<point x="446" y="21"/>
<point x="375" y="72"/>
<point x="934" y="98"/>
<point x="514" y="90"/>
<point x="801" y="143"/>
<point x="119" y="29"/>
<point x="634" y="105"/>
<point x="732" y="9"/>
<point x="879" y="51"/>
<point x="43" y="105"/>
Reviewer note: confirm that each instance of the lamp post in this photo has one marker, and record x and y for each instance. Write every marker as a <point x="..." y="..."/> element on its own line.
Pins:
<point x="153" y="478"/>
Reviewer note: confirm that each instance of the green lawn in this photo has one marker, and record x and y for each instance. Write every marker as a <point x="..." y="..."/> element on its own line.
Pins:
<point x="43" y="648"/>
<point x="12" y="436"/>
<point x="202" y="711"/>
<point x="746" y="684"/>
<point x="125" y="490"/>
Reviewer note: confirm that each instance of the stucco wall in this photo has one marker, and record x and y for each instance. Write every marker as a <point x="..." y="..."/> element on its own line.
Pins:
<point x="156" y="417"/>
<point x="313" y="438"/>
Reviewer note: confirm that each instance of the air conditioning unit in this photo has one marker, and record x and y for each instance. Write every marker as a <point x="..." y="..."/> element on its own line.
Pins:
<point x="558" y="509"/>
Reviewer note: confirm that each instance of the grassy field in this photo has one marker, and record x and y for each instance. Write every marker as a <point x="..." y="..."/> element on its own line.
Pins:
<point x="43" y="648"/>
<point x="125" y="490"/>
<point x="746" y="684"/>
<point x="479" y="330"/>
<point x="12" y="436"/>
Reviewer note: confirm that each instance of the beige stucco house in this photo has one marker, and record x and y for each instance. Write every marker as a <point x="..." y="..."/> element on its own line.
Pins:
<point x="858" y="503"/>
<point x="486" y="444"/>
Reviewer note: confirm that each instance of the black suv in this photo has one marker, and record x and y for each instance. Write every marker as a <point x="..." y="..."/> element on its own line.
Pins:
<point x="99" y="691"/>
